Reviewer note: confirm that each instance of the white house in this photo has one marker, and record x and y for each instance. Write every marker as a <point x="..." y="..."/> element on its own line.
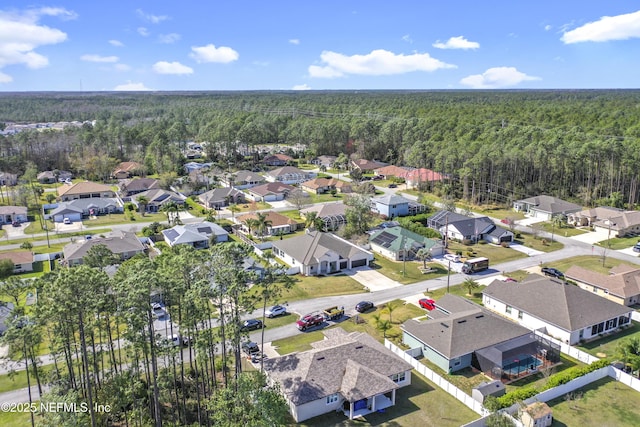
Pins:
<point x="289" y="175"/>
<point x="561" y="310"/>
<point x="545" y="207"/>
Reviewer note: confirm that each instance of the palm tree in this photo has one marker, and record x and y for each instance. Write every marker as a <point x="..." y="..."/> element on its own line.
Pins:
<point x="251" y="224"/>
<point x="233" y="207"/>
<point x="390" y="307"/>
<point x="381" y="324"/>
<point x="424" y="255"/>
<point x="143" y="202"/>
<point x="471" y="285"/>
<point x="262" y="223"/>
<point x="314" y="222"/>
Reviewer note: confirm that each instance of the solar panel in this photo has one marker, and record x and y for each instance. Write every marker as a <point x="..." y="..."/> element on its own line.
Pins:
<point x="384" y="239"/>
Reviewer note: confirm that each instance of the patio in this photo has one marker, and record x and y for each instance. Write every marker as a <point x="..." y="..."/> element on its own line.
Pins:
<point x="364" y="407"/>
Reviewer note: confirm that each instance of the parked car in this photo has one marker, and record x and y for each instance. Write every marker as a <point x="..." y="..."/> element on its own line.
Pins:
<point x="427" y="304"/>
<point x="636" y="248"/>
<point x="66" y="221"/>
<point x="251" y="324"/>
<point x="377" y="178"/>
<point x="553" y="272"/>
<point x="363" y="306"/>
<point x="452" y="257"/>
<point x="392" y="185"/>
<point x="250" y="348"/>
<point x="16" y="224"/>
<point x="158" y="310"/>
<point x="276" y="310"/>
<point x="309" y="321"/>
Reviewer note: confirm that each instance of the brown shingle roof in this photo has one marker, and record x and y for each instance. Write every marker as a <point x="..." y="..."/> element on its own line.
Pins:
<point x="275" y="218"/>
<point x="18" y="257"/>
<point x="624" y="280"/>
<point x="83" y="188"/>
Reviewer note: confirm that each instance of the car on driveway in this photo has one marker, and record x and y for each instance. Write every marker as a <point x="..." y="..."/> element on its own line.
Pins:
<point x="158" y="310"/>
<point x="66" y="221"/>
<point x="636" y="248"/>
<point x="276" y="310"/>
<point x="392" y="185"/>
<point x="553" y="272"/>
<point x="16" y="224"/>
<point x="250" y="348"/>
<point x="427" y="303"/>
<point x="363" y="306"/>
<point x="250" y="325"/>
<point x="452" y="257"/>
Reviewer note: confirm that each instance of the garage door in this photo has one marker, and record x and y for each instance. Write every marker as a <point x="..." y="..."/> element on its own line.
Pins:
<point x="358" y="263"/>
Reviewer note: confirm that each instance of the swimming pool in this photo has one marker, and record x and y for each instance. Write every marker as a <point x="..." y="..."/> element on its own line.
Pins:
<point x="523" y="363"/>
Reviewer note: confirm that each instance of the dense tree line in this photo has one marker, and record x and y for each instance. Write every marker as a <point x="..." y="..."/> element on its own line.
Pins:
<point x="494" y="146"/>
<point x="100" y="332"/>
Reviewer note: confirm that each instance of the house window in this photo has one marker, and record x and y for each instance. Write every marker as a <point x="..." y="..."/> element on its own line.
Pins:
<point x="623" y="320"/>
<point x="398" y="378"/>
<point x="332" y="398"/>
<point x="611" y="324"/>
<point x="508" y="309"/>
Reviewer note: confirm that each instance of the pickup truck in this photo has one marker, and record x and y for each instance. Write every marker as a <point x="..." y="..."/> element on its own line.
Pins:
<point x="309" y="321"/>
<point x="333" y="313"/>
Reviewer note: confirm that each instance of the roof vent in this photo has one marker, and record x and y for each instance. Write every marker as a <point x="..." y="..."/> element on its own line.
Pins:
<point x="320" y="358"/>
<point x="359" y="347"/>
<point x="462" y="321"/>
<point x="479" y="316"/>
<point x="444" y="324"/>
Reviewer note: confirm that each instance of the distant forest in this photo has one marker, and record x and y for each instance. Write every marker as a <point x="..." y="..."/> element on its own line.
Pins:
<point x="494" y="146"/>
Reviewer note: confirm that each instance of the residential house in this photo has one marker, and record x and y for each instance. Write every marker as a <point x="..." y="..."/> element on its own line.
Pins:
<point x="278" y="224"/>
<point x="9" y="214"/>
<point x="326" y="161"/>
<point x="332" y="214"/>
<point x="587" y="217"/>
<point x="319" y="185"/>
<point x="7" y="178"/>
<point x="545" y="207"/>
<point x="277" y="159"/>
<point x="365" y="166"/>
<point x="221" y="197"/>
<point x="315" y="253"/>
<point x="127" y="169"/>
<point x="624" y="224"/>
<point x="270" y="192"/>
<point x="52" y="177"/>
<point x="343" y="187"/>
<point x="122" y="243"/>
<point x="391" y="206"/>
<point x="243" y="179"/>
<point x="537" y="414"/>
<point x="289" y="175"/>
<point x="157" y="198"/>
<point x="417" y="178"/>
<point x="5" y="313"/>
<point x="348" y="373"/>
<point x="397" y="243"/>
<point x="22" y="260"/>
<point x="194" y="166"/>
<point x="563" y="311"/>
<point x="460" y="334"/>
<point x="78" y="209"/>
<point x="621" y="285"/>
<point x="136" y="186"/>
<point x="84" y="190"/>
<point x="197" y="235"/>
<point x="392" y="171"/>
<point x="453" y="225"/>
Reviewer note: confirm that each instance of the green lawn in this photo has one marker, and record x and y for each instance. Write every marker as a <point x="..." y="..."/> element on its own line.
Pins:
<point x="593" y="263"/>
<point x="606" y="346"/>
<point x="459" y="290"/>
<point x="602" y="403"/>
<point x="419" y="404"/>
<point x="496" y="254"/>
<point x="498" y="212"/>
<point x="408" y="272"/>
<point x="16" y="419"/>
<point x="113" y="219"/>
<point x="566" y="231"/>
<point x="327" y="197"/>
<point x="618" y="243"/>
<point x="306" y="287"/>
<point x="544" y="245"/>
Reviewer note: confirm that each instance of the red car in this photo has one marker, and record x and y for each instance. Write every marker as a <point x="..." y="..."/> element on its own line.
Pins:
<point x="427" y="304"/>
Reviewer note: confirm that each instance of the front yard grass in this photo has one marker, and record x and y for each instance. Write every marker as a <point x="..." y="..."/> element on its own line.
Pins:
<point x="605" y="402"/>
<point x="607" y="346"/>
<point x="618" y="243"/>
<point x="593" y="263"/>
<point x="537" y="243"/>
<point x="496" y="254"/>
<point x="409" y="273"/>
<point x="566" y="231"/>
<point x="459" y="290"/>
<point x="326" y="197"/>
<point x="306" y="287"/>
<point x="419" y="404"/>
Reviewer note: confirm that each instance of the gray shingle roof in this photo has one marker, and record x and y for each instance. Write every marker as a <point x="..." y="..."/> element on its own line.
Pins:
<point x="467" y="328"/>
<point x="551" y="204"/>
<point x="311" y="246"/>
<point x="191" y="233"/>
<point x="118" y="242"/>
<point x="354" y="365"/>
<point x="565" y="306"/>
<point x="392" y="199"/>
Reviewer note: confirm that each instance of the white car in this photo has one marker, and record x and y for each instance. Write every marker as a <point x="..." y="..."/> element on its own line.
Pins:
<point x="276" y="310"/>
<point x="158" y="310"/>
<point x="66" y="221"/>
<point x="452" y="257"/>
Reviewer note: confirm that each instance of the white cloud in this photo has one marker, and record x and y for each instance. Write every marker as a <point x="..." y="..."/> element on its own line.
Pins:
<point x="5" y="78"/>
<point x="122" y="67"/>
<point x="98" y="58"/>
<point x="407" y="38"/>
<point x="301" y="87"/>
<point x="164" y="67"/>
<point x="620" y="27"/>
<point x="116" y="43"/>
<point x="168" y="38"/>
<point x="130" y="86"/>
<point x="377" y="63"/>
<point x="143" y="31"/>
<point x="154" y="19"/>
<point x="496" y="78"/>
<point x="210" y="53"/>
<point x="294" y="41"/>
<point x="456" y="43"/>
<point x="547" y="27"/>
<point x="21" y="34"/>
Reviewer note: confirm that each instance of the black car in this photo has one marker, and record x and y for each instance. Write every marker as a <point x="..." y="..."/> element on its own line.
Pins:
<point x="250" y="348"/>
<point x="251" y="324"/>
<point x="363" y="306"/>
<point x="553" y="272"/>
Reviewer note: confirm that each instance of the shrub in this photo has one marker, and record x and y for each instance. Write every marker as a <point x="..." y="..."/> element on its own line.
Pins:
<point x="467" y="242"/>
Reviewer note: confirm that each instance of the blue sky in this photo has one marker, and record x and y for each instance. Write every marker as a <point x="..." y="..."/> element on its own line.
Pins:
<point x="70" y="45"/>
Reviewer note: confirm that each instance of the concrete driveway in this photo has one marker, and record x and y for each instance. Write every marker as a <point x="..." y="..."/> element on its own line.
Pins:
<point x="371" y="279"/>
<point x="593" y="236"/>
<point x="15" y="232"/>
